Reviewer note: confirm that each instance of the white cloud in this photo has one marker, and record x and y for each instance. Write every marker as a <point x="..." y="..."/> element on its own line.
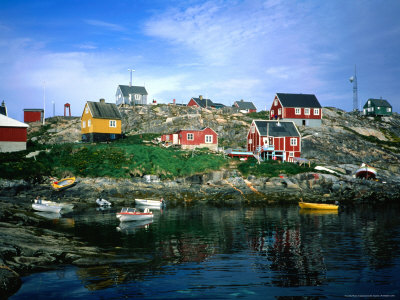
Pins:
<point x="105" y="25"/>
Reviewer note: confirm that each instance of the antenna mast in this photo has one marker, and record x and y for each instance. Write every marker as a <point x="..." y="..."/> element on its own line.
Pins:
<point x="353" y="79"/>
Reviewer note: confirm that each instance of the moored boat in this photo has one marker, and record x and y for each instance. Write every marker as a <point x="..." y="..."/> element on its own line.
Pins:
<point x="131" y="214"/>
<point x="150" y="203"/>
<point x="366" y="171"/>
<point x="64" y="206"/>
<point x="63" y="183"/>
<point x="308" y="205"/>
<point x="39" y="206"/>
<point x="103" y="202"/>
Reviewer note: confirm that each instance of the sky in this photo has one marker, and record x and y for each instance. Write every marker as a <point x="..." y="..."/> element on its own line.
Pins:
<point x="54" y="52"/>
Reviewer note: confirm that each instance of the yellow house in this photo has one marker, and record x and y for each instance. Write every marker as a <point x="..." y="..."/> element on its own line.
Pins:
<point x="100" y="122"/>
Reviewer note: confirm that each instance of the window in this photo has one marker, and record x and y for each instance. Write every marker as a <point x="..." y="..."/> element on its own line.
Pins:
<point x="388" y="109"/>
<point x="209" y="139"/>
<point x="279" y="111"/>
<point x="253" y="129"/>
<point x="250" y="141"/>
<point x="271" y="141"/>
<point x="89" y="123"/>
<point x="297" y="111"/>
<point x="137" y="97"/>
<point x="83" y="124"/>
<point x="190" y="137"/>
<point x="372" y="108"/>
<point x="291" y="154"/>
<point x="306" y="111"/>
<point x="86" y="109"/>
<point x="316" y="111"/>
<point x="272" y="112"/>
<point x="378" y="107"/>
<point x="113" y="123"/>
<point x="112" y="136"/>
<point x="167" y="138"/>
<point x="276" y="102"/>
<point x="293" y="142"/>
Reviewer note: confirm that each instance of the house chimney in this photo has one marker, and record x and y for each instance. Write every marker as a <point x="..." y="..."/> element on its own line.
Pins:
<point x="201" y="97"/>
<point x="102" y="100"/>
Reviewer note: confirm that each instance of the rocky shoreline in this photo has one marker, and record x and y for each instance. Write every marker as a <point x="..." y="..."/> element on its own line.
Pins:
<point x="28" y="245"/>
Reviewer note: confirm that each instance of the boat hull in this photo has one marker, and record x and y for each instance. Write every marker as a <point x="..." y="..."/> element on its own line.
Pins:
<point x="366" y="172"/>
<point x="150" y="203"/>
<point x="126" y="217"/>
<point x="306" y="205"/>
<point x="63" y="183"/>
<point x="46" y="208"/>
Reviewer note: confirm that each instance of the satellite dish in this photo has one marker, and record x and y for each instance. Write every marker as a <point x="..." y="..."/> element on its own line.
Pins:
<point x="351" y="78"/>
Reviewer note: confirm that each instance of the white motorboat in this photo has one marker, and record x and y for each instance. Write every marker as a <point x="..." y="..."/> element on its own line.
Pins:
<point x="103" y="202"/>
<point x="150" y="203"/>
<point x="39" y="206"/>
<point x="65" y="206"/>
<point x="131" y="214"/>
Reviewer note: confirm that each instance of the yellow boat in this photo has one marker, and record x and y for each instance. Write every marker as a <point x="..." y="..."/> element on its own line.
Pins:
<point x="63" y="183"/>
<point x="308" y="205"/>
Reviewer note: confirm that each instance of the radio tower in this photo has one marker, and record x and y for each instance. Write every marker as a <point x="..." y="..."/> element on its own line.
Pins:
<point x="353" y="79"/>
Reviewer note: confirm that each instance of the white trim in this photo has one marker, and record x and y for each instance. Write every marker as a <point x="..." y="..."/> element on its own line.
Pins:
<point x="307" y="111"/>
<point x="291" y="140"/>
<point x="210" y="137"/>
<point x="187" y="136"/>
<point x="83" y="124"/>
<point x="112" y="123"/>
<point x="316" y="111"/>
<point x="297" y="111"/>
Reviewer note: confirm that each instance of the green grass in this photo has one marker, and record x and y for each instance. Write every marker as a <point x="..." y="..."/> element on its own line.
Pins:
<point x="271" y="168"/>
<point x="121" y="159"/>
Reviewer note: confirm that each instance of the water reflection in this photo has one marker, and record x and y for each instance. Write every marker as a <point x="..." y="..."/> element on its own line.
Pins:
<point x="134" y="226"/>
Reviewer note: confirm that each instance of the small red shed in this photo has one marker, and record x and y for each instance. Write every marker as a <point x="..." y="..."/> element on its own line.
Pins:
<point x="13" y="134"/>
<point x="33" y="115"/>
<point x="190" y="138"/>
<point x="278" y="140"/>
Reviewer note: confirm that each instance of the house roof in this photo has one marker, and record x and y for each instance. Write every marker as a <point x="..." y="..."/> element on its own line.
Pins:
<point x="218" y="105"/>
<point x="3" y="110"/>
<point x="298" y="100"/>
<point x="203" y="102"/>
<point x="127" y="90"/>
<point x="9" y="122"/>
<point x="276" y="128"/>
<point x="102" y="110"/>
<point x="192" y="130"/>
<point x="33" y="109"/>
<point x="244" y="105"/>
<point x="378" y="102"/>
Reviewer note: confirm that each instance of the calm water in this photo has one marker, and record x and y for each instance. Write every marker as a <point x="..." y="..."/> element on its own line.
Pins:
<point x="255" y="253"/>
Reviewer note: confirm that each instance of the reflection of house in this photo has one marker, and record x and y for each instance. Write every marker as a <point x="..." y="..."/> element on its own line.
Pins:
<point x="302" y="109"/>
<point x="33" y="115"/>
<point x="131" y="95"/>
<point x="100" y="122"/>
<point x="3" y="109"/>
<point x="274" y="140"/>
<point x="190" y="139"/>
<point x="377" y="107"/>
<point x="244" y="106"/>
<point x="13" y="134"/>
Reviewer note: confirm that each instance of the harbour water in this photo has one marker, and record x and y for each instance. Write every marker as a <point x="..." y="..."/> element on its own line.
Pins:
<point x="219" y="253"/>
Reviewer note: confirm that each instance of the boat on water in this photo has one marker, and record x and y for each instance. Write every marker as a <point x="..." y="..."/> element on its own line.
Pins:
<point x="308" y="205"/>
<point x="103" y="202"/>
<point x="366" y="171"/>
<point x="131" y="214"/>
<point x="150" y="203"/>
<point x="64" y="206"/>
<point x="63" y="183"/>
<point x="39" y="206"/>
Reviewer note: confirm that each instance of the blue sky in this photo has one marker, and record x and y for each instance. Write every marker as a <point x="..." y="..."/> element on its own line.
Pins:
<point x="75" y="51"/>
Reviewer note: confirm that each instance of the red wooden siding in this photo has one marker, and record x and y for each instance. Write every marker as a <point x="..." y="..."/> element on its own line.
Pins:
<point x="192" y="103"/>
<point x="32" y="116"/>
<point x="290" y="113"/>
<point x="275" y="109"/>
<point x="199" y="137"/>
<point x="13" y="134"/>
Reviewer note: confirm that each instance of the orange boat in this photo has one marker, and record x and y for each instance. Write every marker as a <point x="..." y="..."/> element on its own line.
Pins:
<point x="307" y="205"/>
<point x="63" y="183"/>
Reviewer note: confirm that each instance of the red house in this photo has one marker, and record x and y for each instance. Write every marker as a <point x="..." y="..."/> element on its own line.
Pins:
<point x="33" y="115"/>
<point x="245" y="106"/>
<point x="190" y="139"/>
<point x="13" y="134"/>
<point x="271" y="139"/>
<point x="200" y="102"/>
<point x="302" y="109"/>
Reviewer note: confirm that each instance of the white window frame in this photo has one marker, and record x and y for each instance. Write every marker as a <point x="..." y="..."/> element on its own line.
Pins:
<point x="293" y="141"/>
<point x="86" y="110"/>
<point x="389" y="109"/>
<point x="253" y="129"/>
<point x="137" y="97"/>
<point x="83" y="124"/>
<point x="276" y="102"/>
<point x="297" y="111"/>
<point x="307" y="111"/>
<point x="113" y="123"/>
<point x="272" y="112"/>
<point x="291" y="154"/>
<point x="250" y="141"/>
<point x="208" y="139"/>
<point x="316" y="111"/>
<point x="89" y="123"/>
<point x="279" y="111"/>
<point x="190" y="136"/>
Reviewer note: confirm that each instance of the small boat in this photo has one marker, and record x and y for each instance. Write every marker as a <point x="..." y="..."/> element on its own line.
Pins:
<point x="39" y="206"/>
<point x="131" y="214"/>
<point x="63" y="183"/>
<point x="308" y="205"/>
<point x="366" y="171"/>
<point x="65" y="206"/>
<point x="103" y="202"/>
<point x="150" y="203"/>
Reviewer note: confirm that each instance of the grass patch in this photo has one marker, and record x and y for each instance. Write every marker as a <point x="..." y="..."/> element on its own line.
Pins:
<point x="271" y="168"/>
